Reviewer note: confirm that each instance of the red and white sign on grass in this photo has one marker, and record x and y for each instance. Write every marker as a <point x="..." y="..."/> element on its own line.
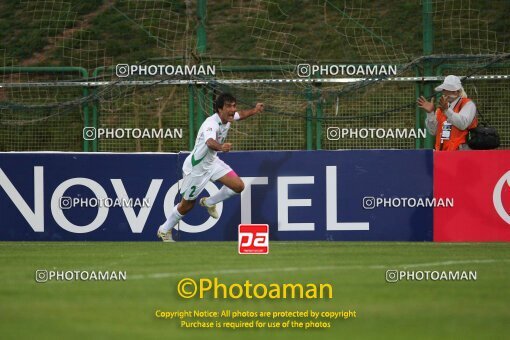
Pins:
<point x="479" y="183"/>
<point x="253" y="238"/>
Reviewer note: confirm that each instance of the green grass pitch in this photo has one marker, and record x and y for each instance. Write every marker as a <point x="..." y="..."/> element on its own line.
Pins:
<point x="356" y="270"/>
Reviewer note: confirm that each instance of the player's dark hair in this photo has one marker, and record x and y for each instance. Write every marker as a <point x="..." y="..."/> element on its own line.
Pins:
<point x="222" y="99"/>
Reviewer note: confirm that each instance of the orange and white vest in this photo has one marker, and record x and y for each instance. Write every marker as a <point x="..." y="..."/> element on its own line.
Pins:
<point x="448" y="136"/>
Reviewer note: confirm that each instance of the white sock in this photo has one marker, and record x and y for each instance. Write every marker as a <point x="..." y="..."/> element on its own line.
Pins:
<point x="172" y="220"/>
<point x="224" y="193"/>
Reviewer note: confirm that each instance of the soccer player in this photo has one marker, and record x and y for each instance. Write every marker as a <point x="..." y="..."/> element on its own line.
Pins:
<point x="203" y="165"/>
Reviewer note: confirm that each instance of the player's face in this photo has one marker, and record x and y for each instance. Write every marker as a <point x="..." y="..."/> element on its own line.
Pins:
<point x="228" y="111"/>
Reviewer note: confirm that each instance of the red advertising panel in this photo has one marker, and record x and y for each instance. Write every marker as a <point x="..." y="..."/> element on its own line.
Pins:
<point x="479" y="184"/>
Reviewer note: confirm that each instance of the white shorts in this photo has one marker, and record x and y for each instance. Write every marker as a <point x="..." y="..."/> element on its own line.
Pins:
<point x="194" y="183"/>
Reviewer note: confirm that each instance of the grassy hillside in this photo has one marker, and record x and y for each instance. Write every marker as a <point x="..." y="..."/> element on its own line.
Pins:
<point x="98" y="32"/>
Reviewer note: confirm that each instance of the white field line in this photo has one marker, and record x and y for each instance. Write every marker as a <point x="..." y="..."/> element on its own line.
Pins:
<point x="302" y="269"/>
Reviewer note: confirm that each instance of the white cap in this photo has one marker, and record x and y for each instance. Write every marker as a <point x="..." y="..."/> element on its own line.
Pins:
<point x="450" y="83"/>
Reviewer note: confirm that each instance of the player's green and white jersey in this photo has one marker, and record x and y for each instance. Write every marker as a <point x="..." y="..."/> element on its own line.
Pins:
<point x="202" y="157"/>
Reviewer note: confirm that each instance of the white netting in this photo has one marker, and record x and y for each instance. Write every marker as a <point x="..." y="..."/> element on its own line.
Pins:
<point x="245" y="39"/>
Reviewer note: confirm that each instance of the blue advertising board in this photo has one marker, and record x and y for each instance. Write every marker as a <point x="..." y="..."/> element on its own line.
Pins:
<point x="302" y="195"/>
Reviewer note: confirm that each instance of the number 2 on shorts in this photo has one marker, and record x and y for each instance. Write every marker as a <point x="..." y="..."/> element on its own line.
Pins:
<point x="193" y="189"/>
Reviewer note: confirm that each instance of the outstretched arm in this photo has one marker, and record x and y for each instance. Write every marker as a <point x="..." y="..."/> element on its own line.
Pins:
<point x="248" y="113"/>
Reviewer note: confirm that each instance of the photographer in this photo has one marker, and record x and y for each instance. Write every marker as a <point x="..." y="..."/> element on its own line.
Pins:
<point x="453" y="118"/>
